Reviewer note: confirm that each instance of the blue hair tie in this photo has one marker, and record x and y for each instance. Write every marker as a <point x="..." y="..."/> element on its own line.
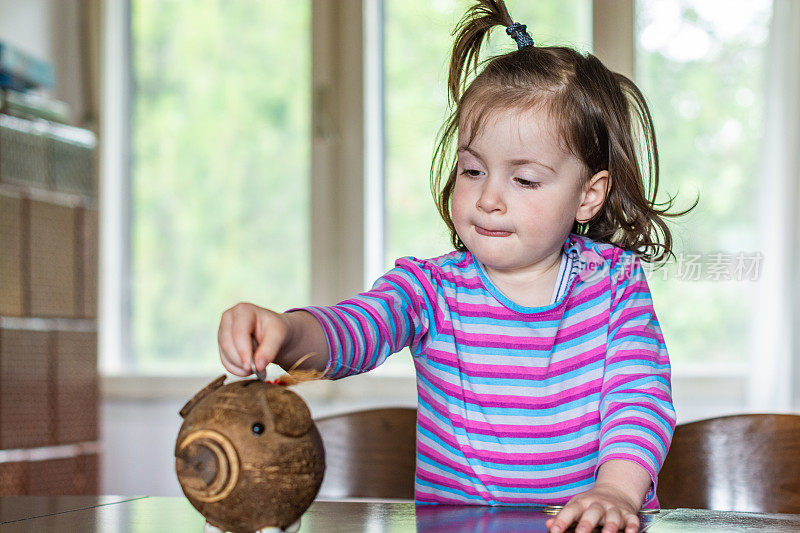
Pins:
<point x="518" y="32"/>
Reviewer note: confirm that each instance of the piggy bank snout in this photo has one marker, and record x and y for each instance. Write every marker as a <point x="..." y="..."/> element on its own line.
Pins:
<point x="207" y="465"/>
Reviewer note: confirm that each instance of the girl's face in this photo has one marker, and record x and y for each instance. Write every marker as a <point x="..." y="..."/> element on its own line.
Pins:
<point x="518" y="192"/>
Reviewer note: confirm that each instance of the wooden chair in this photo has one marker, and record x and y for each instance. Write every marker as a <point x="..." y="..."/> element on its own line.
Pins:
<point x="369" y="453"/>
<point x="734" y="463"/>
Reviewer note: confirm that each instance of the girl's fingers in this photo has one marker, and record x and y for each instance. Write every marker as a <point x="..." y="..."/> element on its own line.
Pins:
<point x="242" y="329"/>
<point x="587" y="519"/>
<point x="590" y="518"/>
<point x="234" y="338"/>
<point x="612" y="520"/>
<point x="270" y="337"/>
<point x="227" y="349"/>
<point x="564" y="518"/>
<point x="632" y="524"/>
<point x="232" y="368"/>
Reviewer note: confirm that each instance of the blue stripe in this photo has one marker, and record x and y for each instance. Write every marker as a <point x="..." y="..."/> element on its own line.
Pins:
<point x="471" y="349"/>
<point x="512" y="411"/>
<point x="516" y="441"/>
<point x="524" y="322"/>
<point x="636" y="428"/>
<point x="450" y="490"/>
<point x="621" y="446"/>
<point x="499" y="488"/>
<point x="518" y="381"/>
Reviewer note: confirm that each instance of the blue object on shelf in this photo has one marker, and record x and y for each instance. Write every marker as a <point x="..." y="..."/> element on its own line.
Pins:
<point x="20" y="71"/>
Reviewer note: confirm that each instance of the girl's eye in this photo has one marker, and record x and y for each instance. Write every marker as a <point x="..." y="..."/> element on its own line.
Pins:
<point x="471" y="172"/>
<point x="527" y="184"/>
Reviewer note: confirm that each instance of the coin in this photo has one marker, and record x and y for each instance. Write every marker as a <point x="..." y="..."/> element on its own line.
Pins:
<point x="262" y="376"/>
<point x="555" y="509"/>
<point x="649" y="511"/>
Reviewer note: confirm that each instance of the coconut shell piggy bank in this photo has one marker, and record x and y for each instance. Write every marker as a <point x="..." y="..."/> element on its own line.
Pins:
<point x="248" y="456"/>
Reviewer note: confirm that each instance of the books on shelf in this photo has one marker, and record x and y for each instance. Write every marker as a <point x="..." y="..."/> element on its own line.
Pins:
<point x="19" y="71"/>
<point x="24" y="81"/>
<point x="33" y="105"/>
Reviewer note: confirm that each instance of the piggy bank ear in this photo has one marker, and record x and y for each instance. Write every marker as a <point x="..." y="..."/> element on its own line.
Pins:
<point x="208" y="389"/>
<point x="290" y="413"/>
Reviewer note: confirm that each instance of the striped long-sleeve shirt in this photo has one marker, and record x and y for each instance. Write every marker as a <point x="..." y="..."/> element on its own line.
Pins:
<point x="517" y="405"/>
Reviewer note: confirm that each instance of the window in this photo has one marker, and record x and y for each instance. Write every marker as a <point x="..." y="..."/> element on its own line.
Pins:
<point x="220" y="171"/>
<point x="221" y="155"/>
<point x="418" y="42"/>
<point x="417" y="55"/>
<point x="700" y="65"/>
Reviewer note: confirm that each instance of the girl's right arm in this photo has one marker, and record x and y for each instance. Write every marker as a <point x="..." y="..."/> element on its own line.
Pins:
<point x="281" y="338"/>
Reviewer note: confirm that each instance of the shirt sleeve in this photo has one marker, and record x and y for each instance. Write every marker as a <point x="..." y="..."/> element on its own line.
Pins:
<point x="636" y="411"/>
<point x="364" y="330"/>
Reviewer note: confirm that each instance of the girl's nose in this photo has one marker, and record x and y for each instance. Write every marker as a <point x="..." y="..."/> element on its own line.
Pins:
<point x="491" y="198"/>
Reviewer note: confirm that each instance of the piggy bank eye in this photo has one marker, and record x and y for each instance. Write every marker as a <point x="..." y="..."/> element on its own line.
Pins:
<point x="257" y="429"/>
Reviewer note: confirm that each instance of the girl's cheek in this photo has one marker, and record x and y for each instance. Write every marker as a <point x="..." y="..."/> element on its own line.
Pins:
<point x="458" y="209"/>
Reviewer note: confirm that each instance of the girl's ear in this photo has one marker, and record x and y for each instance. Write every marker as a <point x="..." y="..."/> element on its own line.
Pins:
<point x="594" y="194"/>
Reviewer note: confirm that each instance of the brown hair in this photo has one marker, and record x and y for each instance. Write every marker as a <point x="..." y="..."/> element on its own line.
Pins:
<point x="604" y="122"/>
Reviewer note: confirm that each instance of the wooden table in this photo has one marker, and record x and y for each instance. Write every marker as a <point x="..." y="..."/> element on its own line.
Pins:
<point x="112" y="514"/>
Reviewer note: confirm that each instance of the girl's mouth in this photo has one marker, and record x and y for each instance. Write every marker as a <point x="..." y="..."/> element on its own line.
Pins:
<point x="491" y="233"/>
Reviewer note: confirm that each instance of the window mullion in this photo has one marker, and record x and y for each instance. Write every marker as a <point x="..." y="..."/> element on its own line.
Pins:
<point x="613" y="34"/>
<point x="115" y="190"/>
<point x="374" y="141"/>
<point x="337" y="166"/>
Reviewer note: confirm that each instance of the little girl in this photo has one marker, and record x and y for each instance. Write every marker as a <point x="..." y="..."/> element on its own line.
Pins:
<point x="542" y="373"/>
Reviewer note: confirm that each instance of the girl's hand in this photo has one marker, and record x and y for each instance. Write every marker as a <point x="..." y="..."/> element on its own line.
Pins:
<point x="605" y="505"/>
<point x="241" y="326"/>
<point x="614" y="501"/>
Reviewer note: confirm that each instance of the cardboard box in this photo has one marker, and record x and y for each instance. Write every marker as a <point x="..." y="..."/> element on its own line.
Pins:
<point x="12" y="291"/>
<point x="77" y="387"/>
<point x="53" y="262"/>
<point x="26" y="410"/>
<point x="89" y="262"/>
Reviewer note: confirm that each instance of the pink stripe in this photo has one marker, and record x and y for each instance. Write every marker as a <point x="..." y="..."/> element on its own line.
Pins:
<point x="611" y="425"/>
<point x="519" y="458"/>
<point x="357" y="361"/>
<point x="637" y="354"/>
<point x="631" y="442"/>
<point x="510" y="430"/>
<point x="575" y="331"/>
<point x="636" y="459"/>
<point x="494" y="340"/>
<point x="529" y="372"/>
<point x="451" y="483"/>
<point x="556" y="399"/>
<point x="369" y="341"/>
<point x="554" y="482"/>
<point x="589" y="293"/>
<point x="658" y="413"/>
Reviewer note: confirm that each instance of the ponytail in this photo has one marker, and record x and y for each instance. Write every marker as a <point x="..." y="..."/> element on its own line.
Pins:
<point x="471" y="32"/>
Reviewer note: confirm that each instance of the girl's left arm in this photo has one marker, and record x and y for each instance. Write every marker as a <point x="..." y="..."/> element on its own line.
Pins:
<point x="636" y="413"/>
<point x="637" y="417"/>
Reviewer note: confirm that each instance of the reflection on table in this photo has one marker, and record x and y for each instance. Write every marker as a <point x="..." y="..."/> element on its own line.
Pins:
<point x="117" y="514"/>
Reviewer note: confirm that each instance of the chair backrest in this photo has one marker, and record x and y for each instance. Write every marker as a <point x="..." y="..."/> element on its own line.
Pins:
<point x="369" y="453"/>
<point x="735" y="463"/>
